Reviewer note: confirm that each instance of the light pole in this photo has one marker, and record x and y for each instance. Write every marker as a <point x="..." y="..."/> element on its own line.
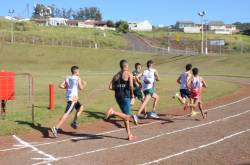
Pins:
<point x="202" y="14"/>
<point x="11" y="12"/>
<point x="206" y="25"/>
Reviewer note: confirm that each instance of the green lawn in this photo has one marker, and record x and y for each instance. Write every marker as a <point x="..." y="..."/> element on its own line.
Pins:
<point x="234" y="43"/>
<point x="80" y="37"/>
<point x="52" y="64"/>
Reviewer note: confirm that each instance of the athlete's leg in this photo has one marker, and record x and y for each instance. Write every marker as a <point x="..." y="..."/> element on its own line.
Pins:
<point x="78" y="113"/>
<point x="144" y="104"/>
<point x="156" y="100"/>
<point x="204" y="114"/>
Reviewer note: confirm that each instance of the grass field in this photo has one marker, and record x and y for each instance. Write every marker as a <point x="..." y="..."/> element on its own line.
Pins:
<point x="234" y="43"/>
<point x="52" y="64"/>
<point x="80" y="37"/>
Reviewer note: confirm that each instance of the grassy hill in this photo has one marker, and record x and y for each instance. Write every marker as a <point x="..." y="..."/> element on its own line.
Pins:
<point x="51" y="65"/>
<point x="235" y="43"/>
<point x="29" y="32"/>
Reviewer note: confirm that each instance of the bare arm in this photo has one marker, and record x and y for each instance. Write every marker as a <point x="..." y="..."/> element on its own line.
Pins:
<point x="179" y="80"/>
<point x="157" y="76"/>
<point x="63" y="85"/>
<point x="111" y="83"/>
<point x="204" y="84"/>
<point x="81" y="84"/>
<point x="131" y="85"/>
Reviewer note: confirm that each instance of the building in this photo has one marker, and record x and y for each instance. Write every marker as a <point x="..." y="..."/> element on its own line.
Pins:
<point x="182" y="24"/>
<point x="57" y="21"/>
<point x="194" y="29"/>
<point x="140" y="26"/>
<point x="216" y="25"/>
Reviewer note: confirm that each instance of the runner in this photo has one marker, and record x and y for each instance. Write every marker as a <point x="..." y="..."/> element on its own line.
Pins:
<point x="122" y="85"/>
<point x="150" y="75"/>
<point x="71" y="84"/>
<point x="183" y="80"/>
<point x="197" y="83"/>
<point x="137" y="76"/>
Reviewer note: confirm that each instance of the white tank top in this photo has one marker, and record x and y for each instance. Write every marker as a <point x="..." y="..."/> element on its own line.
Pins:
<point x="72" y="88"/>
<point x="148" y="75"/>
<point x="184" y="77"/>
<point x="196" y="83"/>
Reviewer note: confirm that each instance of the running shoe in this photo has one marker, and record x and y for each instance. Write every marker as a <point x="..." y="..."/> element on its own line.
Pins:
<point x="54" y="131"/>
<point x="73" y="125"/>
<point x="154" y="115"/>
<point x="136" y="120"/>
<point x="194" y="113"/>
<point x="176" y="95"/>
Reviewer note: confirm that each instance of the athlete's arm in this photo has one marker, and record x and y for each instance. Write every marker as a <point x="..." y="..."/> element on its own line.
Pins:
<point x="179" y="80"/>
<point x="157" y="76"/>
<point x="111" y="83"/>
<point x="81" y="84"/>
<point x="63" y="85"/>
<point x="131" y="85"/>
<point x="204" y="84"/>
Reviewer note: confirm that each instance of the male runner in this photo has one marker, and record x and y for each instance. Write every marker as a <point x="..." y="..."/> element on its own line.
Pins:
<point x="197" y="83"/>
<point x="122" y="85"/>
<point x="150" y="75"/>
<point x="71" y="84"/>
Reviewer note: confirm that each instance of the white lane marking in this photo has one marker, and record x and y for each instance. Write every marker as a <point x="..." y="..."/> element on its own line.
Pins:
<point x="47" y="159"/>
<point x="117" y="130"/>
<point x="197" y="148"/>
<point x="154" y="137"/>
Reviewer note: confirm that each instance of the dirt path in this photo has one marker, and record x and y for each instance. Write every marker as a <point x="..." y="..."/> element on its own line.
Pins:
<point x="223" y="138"/>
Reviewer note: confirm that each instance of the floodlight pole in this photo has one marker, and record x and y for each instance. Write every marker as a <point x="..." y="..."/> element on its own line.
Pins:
<point x="11" y="12"/>
<point x="202" y="37"/>
<point x="206" y="49"/>
<point x="202" y="14"/>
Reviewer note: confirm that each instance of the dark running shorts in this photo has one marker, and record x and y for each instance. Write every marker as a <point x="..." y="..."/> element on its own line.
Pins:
<point x="124" y="104"/>
<point x="185" y="93"/>
<point x="72" y="105"/>
<point x="138" y="93"/>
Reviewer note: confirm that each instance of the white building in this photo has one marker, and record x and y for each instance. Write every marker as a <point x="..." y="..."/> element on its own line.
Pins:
<point x="194" y="29"/>
<point x="57" y="21"/>
<point x="140" y="26"/>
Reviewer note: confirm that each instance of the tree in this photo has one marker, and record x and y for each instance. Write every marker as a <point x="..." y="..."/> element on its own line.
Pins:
<point x="122" y="26"/>
<point x="92" y="13"/>
<point x="110" y="23"/>
<point x="42" y="11"/>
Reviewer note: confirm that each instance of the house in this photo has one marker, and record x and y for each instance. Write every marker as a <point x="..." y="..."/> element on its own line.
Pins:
<point x="140" y="26"/>
<point x="57" y="21"/>
<point x="182" y="24"/>
<point x="220" y="28"/>
<point x="216" y="25"/>
<point x="195" y="29"/>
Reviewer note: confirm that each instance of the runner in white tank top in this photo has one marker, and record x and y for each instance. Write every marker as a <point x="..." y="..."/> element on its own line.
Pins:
<point x="197" y="83"/>
<point x="71" y="84"/>
<point x="148" y="82"/>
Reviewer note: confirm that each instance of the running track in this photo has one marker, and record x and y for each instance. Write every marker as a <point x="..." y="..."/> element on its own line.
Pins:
<point x="223" y="138"/>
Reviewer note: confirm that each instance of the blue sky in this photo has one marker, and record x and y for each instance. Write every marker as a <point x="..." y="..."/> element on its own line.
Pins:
<point x="164" y="12"/>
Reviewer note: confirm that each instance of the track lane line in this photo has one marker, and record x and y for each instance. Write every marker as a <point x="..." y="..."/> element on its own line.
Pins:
<point x="151" y="138"/>
<point x="197" y="148"/>
<point x="118" y="130"/>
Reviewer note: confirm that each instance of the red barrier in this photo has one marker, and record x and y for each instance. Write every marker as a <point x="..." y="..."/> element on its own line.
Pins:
<point x="51" y="97"/>
<point x="7" y="85"/>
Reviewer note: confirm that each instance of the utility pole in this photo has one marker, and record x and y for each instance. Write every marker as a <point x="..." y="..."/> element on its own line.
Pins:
<point x="11" y="12"/>
<point x="202" y="14"/>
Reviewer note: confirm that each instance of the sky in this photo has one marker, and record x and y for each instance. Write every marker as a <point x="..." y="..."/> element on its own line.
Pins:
<point x="158" y="12"/>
